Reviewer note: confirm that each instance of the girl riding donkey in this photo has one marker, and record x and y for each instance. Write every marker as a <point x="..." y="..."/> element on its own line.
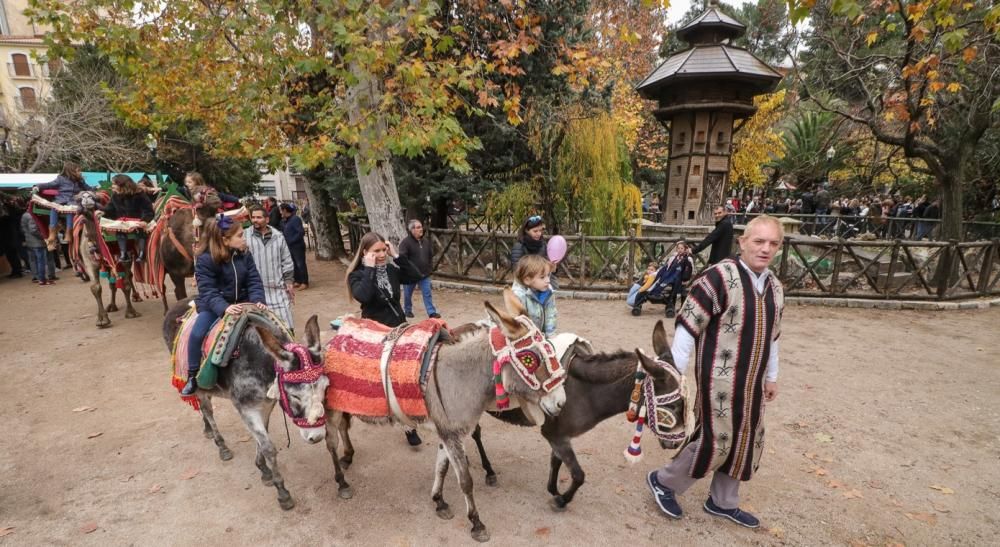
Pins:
<point x="129" y="202"/>
<point x="227" y="280"/>
<point x="69" y="183"/>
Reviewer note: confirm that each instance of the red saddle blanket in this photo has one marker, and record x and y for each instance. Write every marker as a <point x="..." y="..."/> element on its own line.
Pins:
<point x="353" y="364"/>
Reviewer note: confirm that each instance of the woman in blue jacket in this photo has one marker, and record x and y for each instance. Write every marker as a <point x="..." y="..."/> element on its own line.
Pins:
<point x="227" y="281"/>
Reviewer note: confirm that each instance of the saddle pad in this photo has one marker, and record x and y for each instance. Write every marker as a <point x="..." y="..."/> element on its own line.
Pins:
<point x="179" y="356"/>
<point x="40" y="202"/>
<point x="353" y="364"/>
<point x="121" y="225"/>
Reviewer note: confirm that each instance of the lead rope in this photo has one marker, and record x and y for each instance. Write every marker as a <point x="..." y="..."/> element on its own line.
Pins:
<point x="284" y="418"/>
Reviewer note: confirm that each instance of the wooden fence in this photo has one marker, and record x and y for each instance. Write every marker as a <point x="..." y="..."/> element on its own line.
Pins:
<point x="835" y="268"/>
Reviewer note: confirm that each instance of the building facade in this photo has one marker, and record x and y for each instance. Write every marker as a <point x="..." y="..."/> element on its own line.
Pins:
<point x="26" y="74"/>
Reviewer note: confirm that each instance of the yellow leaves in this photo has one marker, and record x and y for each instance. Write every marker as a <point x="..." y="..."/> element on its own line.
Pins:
<point x="969" y="54"/>
<point x="935" y="86"/>
<point x="871" y="38"/>
<point x="758" y="142"/>
<point x="928" y="518"/>
<point x="954" y="87"/>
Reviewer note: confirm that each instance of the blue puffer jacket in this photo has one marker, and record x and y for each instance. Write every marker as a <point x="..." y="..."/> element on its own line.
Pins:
<point x="233" y="282"/>
<point x="67" y="189"/>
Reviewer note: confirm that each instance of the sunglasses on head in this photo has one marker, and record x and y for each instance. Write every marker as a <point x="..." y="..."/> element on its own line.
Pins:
<point x="533" y="221"/>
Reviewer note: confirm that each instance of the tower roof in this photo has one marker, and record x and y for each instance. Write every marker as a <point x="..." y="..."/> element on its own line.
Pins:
<point x="712" y="19"/>
<point x="706" y="62"/>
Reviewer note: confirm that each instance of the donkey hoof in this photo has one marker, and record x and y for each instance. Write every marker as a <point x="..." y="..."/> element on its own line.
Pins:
<point x="287" y="503"/>
<point x="491" y="480"/>
<point x="225" y="454"/>
<point x="346" y="462"/>
<point x="208" y="434"/>
<point x="557" y="504"/>
<point x="104" y="324"/>
<point x="480" y="535"/>
<point x="444" y="513"/>
<point x="345" y="492"/>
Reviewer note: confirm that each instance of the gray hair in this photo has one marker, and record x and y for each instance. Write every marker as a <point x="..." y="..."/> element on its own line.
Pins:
<point x="413" y="224"/>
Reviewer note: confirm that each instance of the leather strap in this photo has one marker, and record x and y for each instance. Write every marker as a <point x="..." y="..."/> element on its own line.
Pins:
<point x="177" y="244"/>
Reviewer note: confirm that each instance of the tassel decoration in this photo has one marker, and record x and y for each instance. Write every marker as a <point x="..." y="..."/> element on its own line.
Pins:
<point x="632" y="414"/>
<point x="633" y="454"/>
<point x="503" y="401"/>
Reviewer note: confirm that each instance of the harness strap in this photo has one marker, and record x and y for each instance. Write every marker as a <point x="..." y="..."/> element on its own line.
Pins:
<point x="388" y="344"/>
<point x="177" y="244"/>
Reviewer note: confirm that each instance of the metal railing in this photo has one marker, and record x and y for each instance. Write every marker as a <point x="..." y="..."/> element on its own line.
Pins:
<point x="835" y="268"/>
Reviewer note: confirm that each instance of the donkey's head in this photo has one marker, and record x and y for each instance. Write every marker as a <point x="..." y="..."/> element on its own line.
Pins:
<point x="665" y="393"/>
<point x="535" y="374"/>
<point x="300" y="384"/>
<point x="88" y="201"/>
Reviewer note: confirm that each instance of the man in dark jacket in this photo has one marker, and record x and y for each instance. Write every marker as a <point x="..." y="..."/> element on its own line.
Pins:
<point x="273" y="214"/>
<point x="721" y="238"/>
<point x="417" y="249"/>
<point x="295" y="237"/>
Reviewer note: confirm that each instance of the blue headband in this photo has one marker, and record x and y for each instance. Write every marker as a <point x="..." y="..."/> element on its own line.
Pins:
<point x="223" y="221"/>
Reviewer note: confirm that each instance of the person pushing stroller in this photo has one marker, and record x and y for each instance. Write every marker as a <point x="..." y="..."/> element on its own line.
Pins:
<point x="668" y="282"/>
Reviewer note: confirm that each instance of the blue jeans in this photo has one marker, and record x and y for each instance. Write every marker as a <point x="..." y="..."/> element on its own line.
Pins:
<point x="39" y="261"/>
<point x="54" y="220"/>
<point x="425" y="291"/>
<point x="202" y="324"/>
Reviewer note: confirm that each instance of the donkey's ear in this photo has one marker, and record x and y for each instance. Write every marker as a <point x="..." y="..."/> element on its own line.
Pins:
<point x="312" y="334"/>
<point x="660" y="345"/>
<point x="510" y="327"/>
<point x="649" y="365"/>
<point x="513" y="303"/>
<point x="273" y="346"/>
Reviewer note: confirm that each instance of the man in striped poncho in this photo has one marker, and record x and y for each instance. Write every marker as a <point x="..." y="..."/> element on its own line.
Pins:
<point x="274" y="263"/>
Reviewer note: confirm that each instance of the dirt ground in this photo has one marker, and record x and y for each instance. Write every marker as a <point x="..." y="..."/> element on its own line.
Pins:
<point x="885" y="431"/>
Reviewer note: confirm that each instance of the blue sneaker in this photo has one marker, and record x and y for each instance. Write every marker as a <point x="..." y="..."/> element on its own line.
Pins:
<point x="664" y="497"/>
<point x="739" y="517"/>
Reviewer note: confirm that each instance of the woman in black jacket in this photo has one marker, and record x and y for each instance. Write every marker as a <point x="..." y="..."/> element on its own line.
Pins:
<point x="129" y="202"/>
<point x="373" y="280"/>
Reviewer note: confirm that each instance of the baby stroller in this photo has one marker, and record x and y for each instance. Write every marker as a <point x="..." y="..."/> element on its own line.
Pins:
<point x="667" y="286"/>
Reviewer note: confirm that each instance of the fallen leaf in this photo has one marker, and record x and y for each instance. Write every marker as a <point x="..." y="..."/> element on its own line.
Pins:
<point x="923" y="517"/>
<point x="896" y="502"/>
<point x="543" y="532"/>
<point x="942" y="489"/>
<point x="807" y="386"/>
<point x="823" y="438"/>
<point x="84" y="409"/>
<point x="6" y="531"/>
<point x="940" y="508"/>
<point x="189" y="474"/>
<point x="820" y="472"/>
<point x="89" y="527"/>
<point x="155" y="488"/>
<point x="777" y="532"/>
<point x="126" y="478"/>
<point x="95" y="435"/>
<point x="244" y="439"/>
<point x="852" y="494"/>
<point x="810" y="455"/>
<point x="802" y="425"/>
<point x="834" y="483"/>
<point x="857" y="543"/>
<point x="874" y="484"/>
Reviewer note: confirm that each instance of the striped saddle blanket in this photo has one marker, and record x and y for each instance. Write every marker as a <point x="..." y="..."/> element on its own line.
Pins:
<point x="365" y="353"/>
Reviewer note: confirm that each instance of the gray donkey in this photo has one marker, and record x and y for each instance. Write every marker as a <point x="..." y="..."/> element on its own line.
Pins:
<point x="459" y="389"/>
<point x="249" y="381"/>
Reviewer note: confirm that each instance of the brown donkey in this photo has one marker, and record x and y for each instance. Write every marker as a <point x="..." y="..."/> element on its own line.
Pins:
<point x="598" y="387"/>
<point x="460" y="387"/>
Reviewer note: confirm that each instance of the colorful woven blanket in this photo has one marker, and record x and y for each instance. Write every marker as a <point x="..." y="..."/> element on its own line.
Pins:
<point x="353" y="362"/>
<point x="218" y="348"/>
<point x="106" y="256"/>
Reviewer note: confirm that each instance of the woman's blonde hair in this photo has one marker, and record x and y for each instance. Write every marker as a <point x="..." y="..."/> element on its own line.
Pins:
<point x="366" y="243"/>
<point x="213" y="240"/>
<point x="531" y="266"/>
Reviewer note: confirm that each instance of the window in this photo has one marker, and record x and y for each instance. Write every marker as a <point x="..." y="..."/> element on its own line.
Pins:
<point x="697" y="170"/>
<point x="690" y="215"/>
<point x="722" y="137"/>
<point x="266" y="191"/>
<point x="700" y="137"/>
<point x="678" y="170"/>
<point x="693" y="193"/>
<point x="20" y="65"/>
<point x="675" y="215"/>
<point x="677" y="192"/>
<point x="27" y="98"/>
<point x="680" y="139"/>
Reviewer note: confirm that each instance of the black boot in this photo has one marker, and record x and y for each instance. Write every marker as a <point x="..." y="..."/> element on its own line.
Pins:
<point x="191" y="386"/>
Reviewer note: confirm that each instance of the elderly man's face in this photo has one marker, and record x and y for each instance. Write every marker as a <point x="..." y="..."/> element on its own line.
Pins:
<point x="759" y="245"/>
<point x="417" y="230"/>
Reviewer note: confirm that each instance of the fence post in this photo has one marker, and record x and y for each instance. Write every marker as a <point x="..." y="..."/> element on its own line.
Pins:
<point x="892" y="266"/>
<point x="584" y="256"/>
<point x="630" y="266"/>
<point x="837" y="257"/>
<point x="783" y="270"/>
<point x="461" y="262"/>
<point x="496" y="256"/>
<point x="986" y="270"/>
<point x="945" y="272"/>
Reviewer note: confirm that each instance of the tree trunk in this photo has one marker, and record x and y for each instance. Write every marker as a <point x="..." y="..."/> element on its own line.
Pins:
<point x="329" y="241"/>
<point x="375" y="174"/>
<point x="951" y="203"/>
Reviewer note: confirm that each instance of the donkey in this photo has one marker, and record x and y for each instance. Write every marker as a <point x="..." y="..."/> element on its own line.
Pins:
<point x="249" y="381"/>
<point x="87" y="247"/>
<point x="460" y="387"/>
<point x="598" y="387"/>
<point x="176" y="248"/>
